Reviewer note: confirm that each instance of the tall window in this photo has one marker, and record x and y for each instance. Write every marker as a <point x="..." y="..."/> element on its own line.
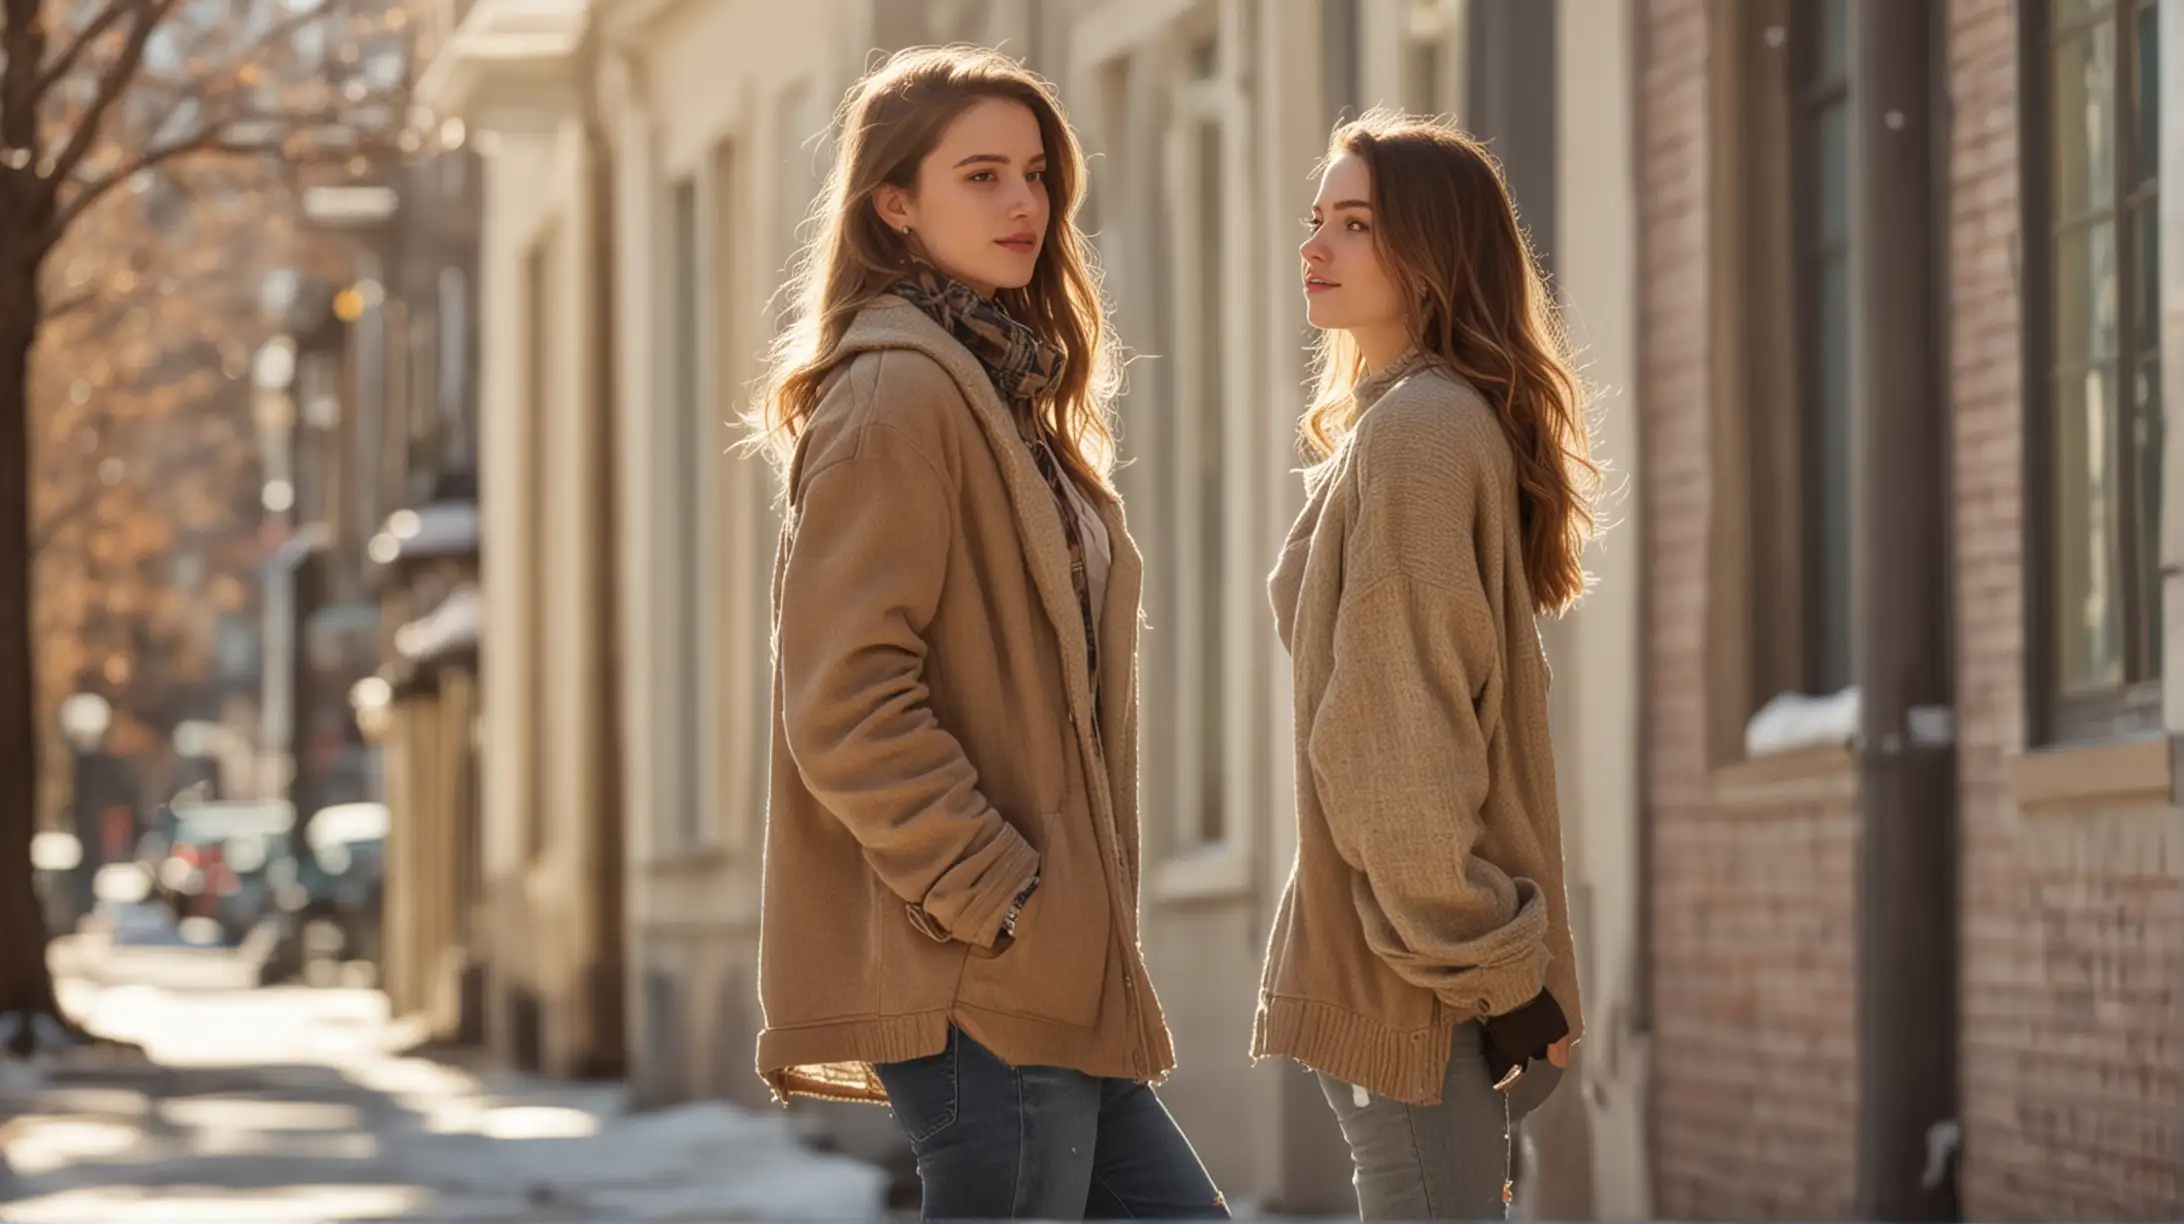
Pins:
<point x="751" y="528"/>
<point x="425" y="445"/>
<point x="687" y="445"/>
<point x="541" y="289"/>
<point x="1341" y="71"/>
<point x="2094" y="378"/>
<point x="1820" y="58"/>
<point x="1784" y="199"/>
<point x="1432" y="57"/>
<point x="800" y="130"/>
<point x="457" y="418"/>
<point x="1197" y="182"/>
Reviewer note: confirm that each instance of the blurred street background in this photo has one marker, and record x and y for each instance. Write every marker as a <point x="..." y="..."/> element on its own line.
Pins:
<point x="384" y="658"/>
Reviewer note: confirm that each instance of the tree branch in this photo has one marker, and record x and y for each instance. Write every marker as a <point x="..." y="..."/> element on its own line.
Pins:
<point x="112" y="84"/>
<point x="73" y="304"/>
<point x="74" y="51"/>
<point x="206" y="140"/>
<point x="51" y="525"/>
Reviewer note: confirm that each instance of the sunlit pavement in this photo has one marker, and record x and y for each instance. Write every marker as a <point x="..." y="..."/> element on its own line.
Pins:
<point x="293" y="1104"/>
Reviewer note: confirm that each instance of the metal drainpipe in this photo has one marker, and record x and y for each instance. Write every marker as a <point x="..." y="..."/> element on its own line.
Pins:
<point x="1907" y="888"/>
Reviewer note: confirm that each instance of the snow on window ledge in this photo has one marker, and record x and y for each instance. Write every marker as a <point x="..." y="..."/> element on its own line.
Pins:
<point x="1791" y="721"/>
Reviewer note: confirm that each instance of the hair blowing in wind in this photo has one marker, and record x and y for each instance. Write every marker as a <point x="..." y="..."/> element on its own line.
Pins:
<point x="1447" y="233"/>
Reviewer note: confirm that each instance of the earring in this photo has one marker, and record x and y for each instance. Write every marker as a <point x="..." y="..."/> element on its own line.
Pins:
<point x="906" y="231"/>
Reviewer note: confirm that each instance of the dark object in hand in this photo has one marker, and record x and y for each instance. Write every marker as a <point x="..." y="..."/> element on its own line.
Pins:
<point x="1513" y="1040"/>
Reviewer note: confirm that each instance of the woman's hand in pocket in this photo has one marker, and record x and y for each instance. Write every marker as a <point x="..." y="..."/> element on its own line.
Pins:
<point x="1024" y="919"/>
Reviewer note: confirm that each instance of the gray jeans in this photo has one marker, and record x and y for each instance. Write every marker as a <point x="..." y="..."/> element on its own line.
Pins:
<point x="1438" y="1162"/>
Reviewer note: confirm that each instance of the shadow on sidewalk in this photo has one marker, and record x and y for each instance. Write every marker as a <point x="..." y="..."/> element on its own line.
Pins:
<point x="342" y="1122"/>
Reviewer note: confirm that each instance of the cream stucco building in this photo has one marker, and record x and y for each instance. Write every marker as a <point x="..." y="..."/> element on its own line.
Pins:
<point x="648" y="164"/>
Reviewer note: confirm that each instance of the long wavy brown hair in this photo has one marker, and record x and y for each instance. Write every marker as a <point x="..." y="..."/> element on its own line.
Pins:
<point x="890" y="120"/>
<point x="1447" y="233"/>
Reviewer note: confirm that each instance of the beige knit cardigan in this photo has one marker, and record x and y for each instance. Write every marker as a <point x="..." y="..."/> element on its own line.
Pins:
<point x="1428" y="884"/>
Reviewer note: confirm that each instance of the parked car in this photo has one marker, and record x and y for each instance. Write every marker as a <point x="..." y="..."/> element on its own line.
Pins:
<point x="55" y="859"/>
<point x="345" y="883"/>
<point x="230" y="861"/>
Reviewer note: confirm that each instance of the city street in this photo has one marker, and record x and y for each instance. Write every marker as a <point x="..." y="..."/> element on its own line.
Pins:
<point x="296" y="1104"/>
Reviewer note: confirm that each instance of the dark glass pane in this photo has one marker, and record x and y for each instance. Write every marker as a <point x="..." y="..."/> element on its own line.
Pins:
<point x="690" y="445"/>
<point x="2146" y="272"/>
<point x="1422" y="77"/>
<point x="1832" y="174"/>
<point x="1832" y="61"/>
<point x="1212" y="492"/>
<point x="2146" y="102"/>
<point x="2088" y="604"/>
<point x="2085" y="294"/>
<point x="2151" y="428"/>
<point x="1339" y="56"/>
<point x="1205" y="59"/>
<point x="1830" y="604"/>
<point x="2085" y="122"/>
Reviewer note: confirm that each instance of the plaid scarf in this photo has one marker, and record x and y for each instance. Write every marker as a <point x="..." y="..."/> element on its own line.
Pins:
<point x="1021" y="366"/>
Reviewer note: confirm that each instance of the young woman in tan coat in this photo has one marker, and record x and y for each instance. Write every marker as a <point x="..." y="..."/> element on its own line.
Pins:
<point x="1421" y="957"/>
<point x="950" y="919"/>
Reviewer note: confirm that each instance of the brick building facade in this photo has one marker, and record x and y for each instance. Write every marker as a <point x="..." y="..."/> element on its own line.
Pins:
<point x="2063" y="889"/>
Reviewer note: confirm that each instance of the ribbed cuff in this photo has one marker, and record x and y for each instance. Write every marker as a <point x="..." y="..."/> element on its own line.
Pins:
<point x="1497" y="990"/>
<point x="981" y="924"/>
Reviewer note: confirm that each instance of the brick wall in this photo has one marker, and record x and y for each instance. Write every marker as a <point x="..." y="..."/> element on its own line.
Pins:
<point x="1752" y="889"/>
<point x="2072" y="918"/>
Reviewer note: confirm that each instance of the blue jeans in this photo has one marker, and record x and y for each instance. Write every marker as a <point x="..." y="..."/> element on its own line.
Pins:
<point x="996" y="1142"/>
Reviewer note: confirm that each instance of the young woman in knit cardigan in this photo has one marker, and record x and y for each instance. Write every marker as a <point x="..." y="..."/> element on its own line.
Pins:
<point x="949" y="921"/>
<point x="1421" y="958"/>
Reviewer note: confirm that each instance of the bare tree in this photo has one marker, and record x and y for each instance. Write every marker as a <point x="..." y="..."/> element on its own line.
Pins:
<point x="100" y="100"/>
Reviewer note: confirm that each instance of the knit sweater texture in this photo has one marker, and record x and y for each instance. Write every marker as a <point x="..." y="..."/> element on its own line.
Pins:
<point x="1427" y="889"/>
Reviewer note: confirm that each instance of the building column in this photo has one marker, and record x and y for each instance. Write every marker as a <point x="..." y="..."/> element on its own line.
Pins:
<point x="1597" y="648"/>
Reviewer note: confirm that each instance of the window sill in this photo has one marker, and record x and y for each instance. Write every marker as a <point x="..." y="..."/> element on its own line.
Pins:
<point x="2139" y="771"/>
<point x="1825" y="771"/>
<point x="1211" y="872"/>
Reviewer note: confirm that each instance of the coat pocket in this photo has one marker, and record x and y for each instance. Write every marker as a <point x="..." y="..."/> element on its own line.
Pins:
<point x="1056" y="968"/>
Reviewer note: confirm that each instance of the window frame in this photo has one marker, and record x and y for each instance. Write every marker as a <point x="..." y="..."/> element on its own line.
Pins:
<point x="1766" y="339"/>
<point x="750" y="522"/>
<point x="542" y="281"/>
<point x="1204" y="674"/>
<point x="2134" y="705"/>
<point x="682" y="826"/>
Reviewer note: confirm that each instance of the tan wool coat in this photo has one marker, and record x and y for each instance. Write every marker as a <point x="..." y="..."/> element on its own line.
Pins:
<point x="1427" y="889"/>
<point x="934" y="743"/>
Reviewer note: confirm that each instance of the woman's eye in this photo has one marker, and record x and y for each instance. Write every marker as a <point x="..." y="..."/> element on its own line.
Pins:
<point x="1036" y="176"/>
<point x="1357" y="227"/>
<point x="982" y="176"/>
<point x="1310" y="223"/>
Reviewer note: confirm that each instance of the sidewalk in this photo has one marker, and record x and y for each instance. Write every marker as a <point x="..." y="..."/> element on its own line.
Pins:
<point x="292" y="1104"/>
